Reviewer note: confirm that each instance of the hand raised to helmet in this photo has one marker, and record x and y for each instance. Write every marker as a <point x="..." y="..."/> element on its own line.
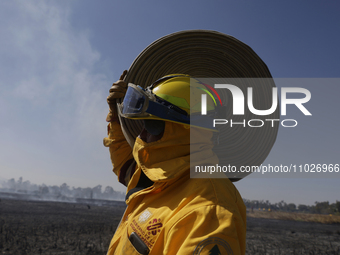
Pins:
<point x="117" y="91"/>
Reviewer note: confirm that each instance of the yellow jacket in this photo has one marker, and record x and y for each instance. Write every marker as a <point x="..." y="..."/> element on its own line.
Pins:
<point x="176" y="214"/>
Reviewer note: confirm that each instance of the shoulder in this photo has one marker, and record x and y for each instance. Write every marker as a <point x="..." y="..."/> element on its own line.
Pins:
<point x="200" y="196"/>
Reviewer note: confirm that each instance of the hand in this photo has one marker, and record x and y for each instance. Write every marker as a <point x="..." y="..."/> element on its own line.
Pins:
<point x="117" y="91"/>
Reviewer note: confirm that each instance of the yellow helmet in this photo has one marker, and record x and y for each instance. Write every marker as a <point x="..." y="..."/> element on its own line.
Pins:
<point x="175" y="98"/>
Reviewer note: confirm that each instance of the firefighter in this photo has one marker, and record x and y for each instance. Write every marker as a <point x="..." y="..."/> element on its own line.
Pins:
<point x="167" y="211"/>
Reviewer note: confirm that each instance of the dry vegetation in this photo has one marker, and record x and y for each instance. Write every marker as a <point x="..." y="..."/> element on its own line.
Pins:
<point x="296" y="216"/>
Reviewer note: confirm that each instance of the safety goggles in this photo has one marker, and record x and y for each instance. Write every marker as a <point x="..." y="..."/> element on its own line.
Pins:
<point x="139" y="102"/>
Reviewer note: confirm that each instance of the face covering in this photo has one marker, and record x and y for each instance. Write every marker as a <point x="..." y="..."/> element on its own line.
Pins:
<point x="170" y="156"/>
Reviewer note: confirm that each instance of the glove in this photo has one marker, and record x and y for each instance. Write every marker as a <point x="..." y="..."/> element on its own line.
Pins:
<point x="117" y="91"/>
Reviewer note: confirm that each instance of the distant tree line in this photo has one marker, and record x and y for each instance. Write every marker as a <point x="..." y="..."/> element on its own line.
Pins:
<point x="318" y="207"/>
<point x="59" y="192"/>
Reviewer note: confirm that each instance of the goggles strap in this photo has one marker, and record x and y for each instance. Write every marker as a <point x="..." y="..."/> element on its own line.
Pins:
<point x="165" y="112"/>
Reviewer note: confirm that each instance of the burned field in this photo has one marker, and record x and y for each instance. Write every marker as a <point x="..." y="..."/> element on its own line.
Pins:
<point x="34" y="227"/>
<point x="272" y="236"/>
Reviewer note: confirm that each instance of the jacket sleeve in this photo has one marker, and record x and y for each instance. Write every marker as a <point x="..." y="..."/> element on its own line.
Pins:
<point x="120" y="150"/>
<point x="207" y="230"/>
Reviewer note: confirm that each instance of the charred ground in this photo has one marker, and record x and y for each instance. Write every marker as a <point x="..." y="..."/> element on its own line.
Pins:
<point x="34" y="227"/>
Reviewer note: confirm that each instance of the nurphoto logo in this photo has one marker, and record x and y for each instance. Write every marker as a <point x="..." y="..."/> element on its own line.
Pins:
<point x="238" y="105"/>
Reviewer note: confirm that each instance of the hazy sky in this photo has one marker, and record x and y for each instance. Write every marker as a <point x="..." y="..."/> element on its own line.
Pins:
<point x="59" y="58"/>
